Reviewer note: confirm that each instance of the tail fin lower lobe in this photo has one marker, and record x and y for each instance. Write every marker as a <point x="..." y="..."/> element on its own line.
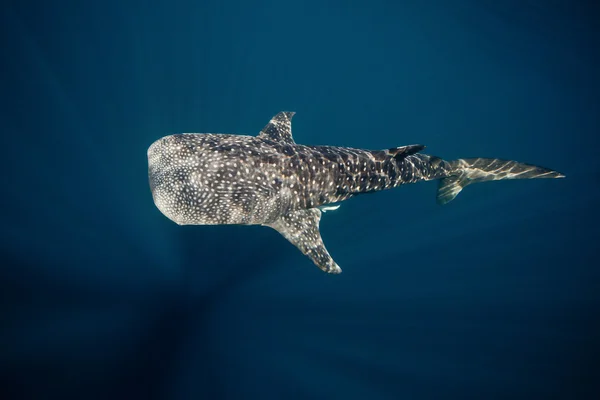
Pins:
<point x="465" y="171"/>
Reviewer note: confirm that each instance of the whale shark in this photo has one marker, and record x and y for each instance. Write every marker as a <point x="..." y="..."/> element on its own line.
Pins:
<point x="270" y="180"/>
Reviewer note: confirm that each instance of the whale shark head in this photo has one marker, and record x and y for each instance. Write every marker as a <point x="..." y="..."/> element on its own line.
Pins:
<point x="166" y="184"/>
<point x="159" y="161"/>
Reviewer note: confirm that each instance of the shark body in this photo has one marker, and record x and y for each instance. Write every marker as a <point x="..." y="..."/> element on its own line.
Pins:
<point x="210" y="179"/>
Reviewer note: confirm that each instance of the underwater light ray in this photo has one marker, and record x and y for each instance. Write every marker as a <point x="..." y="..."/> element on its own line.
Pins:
<point x="77" y="181"/>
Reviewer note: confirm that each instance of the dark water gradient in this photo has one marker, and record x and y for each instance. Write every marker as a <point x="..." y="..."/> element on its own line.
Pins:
<point x="495" y="295"/>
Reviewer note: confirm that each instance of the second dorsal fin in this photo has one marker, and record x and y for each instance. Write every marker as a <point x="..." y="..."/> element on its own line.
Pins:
<point x="403" y="151"/>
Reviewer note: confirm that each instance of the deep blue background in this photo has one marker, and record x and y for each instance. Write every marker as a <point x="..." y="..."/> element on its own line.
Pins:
<point x="495" y="295"/>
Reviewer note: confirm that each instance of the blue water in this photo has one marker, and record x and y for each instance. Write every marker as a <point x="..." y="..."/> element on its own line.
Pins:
<point x="495" y="295"/>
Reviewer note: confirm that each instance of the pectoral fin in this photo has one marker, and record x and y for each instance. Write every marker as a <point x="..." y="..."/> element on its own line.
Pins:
<point x="301" y="228"/>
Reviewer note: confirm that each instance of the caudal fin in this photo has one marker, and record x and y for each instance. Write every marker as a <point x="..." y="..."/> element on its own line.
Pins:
<point x="465" y="171"/>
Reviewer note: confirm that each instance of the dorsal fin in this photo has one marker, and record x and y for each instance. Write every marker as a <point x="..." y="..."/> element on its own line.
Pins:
<point x="279" y="128"/>
<point x="403" y="151"/>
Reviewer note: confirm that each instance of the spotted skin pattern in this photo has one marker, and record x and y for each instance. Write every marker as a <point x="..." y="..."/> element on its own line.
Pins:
<point x="214" y="179"/>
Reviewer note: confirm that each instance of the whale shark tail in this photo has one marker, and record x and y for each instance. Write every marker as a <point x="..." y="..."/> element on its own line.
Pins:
<point x="465" y="171"/>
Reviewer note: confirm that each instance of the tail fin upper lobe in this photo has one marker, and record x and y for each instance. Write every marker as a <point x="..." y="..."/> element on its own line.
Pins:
<point x="465" y="171"/>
